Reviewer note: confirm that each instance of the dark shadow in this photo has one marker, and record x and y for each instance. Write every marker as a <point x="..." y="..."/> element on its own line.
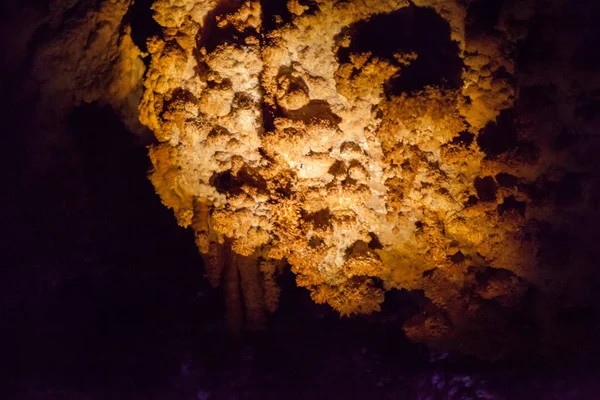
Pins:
<point x="512" y="204"/>
<point x="418" y="29"/>
<point x="117" y="305"/>
<point x="464" y="138"/>
<point x="482" y="16"/>
<point x="143" y="25"/>
<point x="226" y="182"/>
<point x="313" y="111"/>
<point x="274" y="14"/>
<point x="486" y="188"/>
<point x="211" y="36"/>
<point x="320" y="219"/>
<point x="506" y="180"/>
<point x="499" y="136"/>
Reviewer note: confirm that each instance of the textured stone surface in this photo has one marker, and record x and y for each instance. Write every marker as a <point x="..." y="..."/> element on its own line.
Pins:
<point x="287" y="146"/>
<point x="439" y="146"/>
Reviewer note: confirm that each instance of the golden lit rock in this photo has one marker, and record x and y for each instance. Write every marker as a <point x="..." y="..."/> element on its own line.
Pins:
<point x="300" y="145"/>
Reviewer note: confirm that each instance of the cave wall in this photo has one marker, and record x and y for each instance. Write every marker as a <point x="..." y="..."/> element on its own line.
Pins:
<point x="456" y="158"/>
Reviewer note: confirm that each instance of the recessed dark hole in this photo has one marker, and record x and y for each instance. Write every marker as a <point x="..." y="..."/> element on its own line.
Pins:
<point x="502" y="73"/>
<point x="269" y="114"/>
<point x="499" y="136"/>
<point x="429" y="273"/>
<point x="179" y="94"/>
<point x="486" y="188"/>
<point x="482" y="16"/>
<point x="263" y="154"/>
<point x="315" y="242"/>
<point x="374" y="244"/>
<point x="464" y="138"/>
<point x="243" y="101"/>
<point x="337" y="168"/>
<point x="272" y="11"/>
<point x="286" y="189"/>
<point x="315" y="110"/>
<point x="457" y="257"/>
<point x="418" y="29"/>
<point x="226" y="182"/>
<point x="350" y="147"/>
<point x="349" y="181"/>
<point x="506" y="180"/>
<point x="358" y="247"/>
<point x="312" y="5"/>
<point x="143" y="26"/>
<point x="298" y="84"/>
<point x="252" y="178"/>
<point x="320" y="219"/>
<point x="377" y="282"/>
<point x="419" y="225"/>
<point x="211" y="36"/>
<point x="471" y="201"/>
<point x="510" y="204"/>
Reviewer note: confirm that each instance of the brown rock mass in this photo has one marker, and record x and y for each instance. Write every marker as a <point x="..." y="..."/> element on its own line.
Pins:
<point x="300" y="140"/>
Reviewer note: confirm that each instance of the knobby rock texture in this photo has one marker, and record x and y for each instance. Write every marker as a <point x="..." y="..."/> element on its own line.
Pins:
<point x="370" y="145"/>
<point x="366" y="162"/>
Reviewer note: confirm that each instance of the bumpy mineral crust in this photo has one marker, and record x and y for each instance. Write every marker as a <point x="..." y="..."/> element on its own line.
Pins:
<point x="279" y="143"/>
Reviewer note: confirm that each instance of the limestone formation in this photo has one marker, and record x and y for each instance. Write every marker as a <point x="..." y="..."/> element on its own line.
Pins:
<point x="368" y="145"/>
<point x="284" y="140"/>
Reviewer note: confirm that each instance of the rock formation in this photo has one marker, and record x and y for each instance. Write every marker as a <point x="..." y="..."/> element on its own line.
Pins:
<point x="292" y="133"/>
<point x="293" y="138"/>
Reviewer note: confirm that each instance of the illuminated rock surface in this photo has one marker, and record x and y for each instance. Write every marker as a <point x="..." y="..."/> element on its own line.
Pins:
<point x="366" y="165"/>
<point x="370" y="146"/>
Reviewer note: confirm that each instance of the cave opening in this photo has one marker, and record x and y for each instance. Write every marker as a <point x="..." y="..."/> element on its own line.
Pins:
<point x="410" y="29"/>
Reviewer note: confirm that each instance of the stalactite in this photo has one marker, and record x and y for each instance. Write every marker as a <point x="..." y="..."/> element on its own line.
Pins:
<point x="234" y="312"/>
<point x="270" y="270"/>
<point x="253" y="292"/>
